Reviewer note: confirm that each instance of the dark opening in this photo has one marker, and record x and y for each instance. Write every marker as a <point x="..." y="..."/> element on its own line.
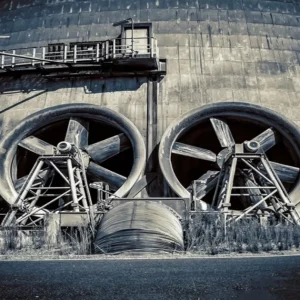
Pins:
<point x="55" y="133"/>
<point x="202" y="135"/>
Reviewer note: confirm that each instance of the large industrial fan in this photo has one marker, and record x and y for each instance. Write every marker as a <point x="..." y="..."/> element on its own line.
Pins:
<point x="52" y="156"/>
<point x="233" y="156"/>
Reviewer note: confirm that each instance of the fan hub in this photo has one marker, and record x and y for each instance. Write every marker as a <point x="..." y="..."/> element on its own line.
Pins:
<point x="252" y="146"/>
<point x="64" y="147"/>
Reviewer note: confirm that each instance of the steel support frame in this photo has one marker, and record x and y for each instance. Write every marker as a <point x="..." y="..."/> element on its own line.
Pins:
<point x="274" y="185"/>
<point x="75" y="188"/>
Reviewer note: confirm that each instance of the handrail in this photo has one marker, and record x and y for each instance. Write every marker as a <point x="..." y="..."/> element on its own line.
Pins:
<point x="73" y="53"/>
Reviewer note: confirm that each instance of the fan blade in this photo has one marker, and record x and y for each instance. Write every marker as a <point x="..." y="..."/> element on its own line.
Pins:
<point x="77" y="132"/>
<point x="114" y="180"/>
<point x="37" y="146"/>
<point x="266" y="139"/>
<point x="223" y="133"/>
<point x="192" y="151"/>
<point x="285" y="173"/>
<point x="20" y="181"/>
<point x="108" y="148"/>
<point x="205" y="184"/>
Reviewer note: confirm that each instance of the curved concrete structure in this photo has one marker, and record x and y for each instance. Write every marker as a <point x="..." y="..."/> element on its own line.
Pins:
<point x="216" y="51"/>
<point x="194" y="128"/>
<point x="48" y="117"/>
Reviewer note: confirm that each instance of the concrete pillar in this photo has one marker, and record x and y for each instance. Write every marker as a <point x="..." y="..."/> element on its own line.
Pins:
<point x="151" y="123"/>
<point x="52" y="229"/>
<point x="151" y="142"/>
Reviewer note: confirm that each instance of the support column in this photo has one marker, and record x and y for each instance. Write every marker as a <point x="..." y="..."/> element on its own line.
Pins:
<point x="52" y="229"/>
<point x="72" y="185"/>
<point x="151" y="123"/>
<point x="151" y="134"/>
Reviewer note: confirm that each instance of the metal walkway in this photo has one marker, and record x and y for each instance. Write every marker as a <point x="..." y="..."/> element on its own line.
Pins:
<point x="115" y="57"/>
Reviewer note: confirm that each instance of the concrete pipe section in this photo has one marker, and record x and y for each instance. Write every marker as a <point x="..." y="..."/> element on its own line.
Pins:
<point x="112" y="147"/>
<point x="195" y="143"/>
<point x="139" y="226"/>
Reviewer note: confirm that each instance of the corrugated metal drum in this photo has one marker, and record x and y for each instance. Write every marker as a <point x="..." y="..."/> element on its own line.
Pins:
<point x="139" y="226"/>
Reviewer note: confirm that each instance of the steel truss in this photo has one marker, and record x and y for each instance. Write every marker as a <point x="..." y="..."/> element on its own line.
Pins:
<point x="32" y="201"/>
<point x="267" y="192"/>
<point x="104" y="196"/>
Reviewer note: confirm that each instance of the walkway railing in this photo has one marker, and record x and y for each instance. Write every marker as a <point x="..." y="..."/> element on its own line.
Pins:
<point x="119" y="48"/>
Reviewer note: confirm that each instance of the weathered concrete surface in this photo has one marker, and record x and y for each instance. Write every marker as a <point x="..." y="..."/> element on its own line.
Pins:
<point x="217" y="51"/>
<point x="22" y="97"/>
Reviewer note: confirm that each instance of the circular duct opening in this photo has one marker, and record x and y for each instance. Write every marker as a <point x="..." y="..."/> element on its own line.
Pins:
<point x="54" y="134"/>
<point x="245" y="121"/>
<point x="94" y="131"/>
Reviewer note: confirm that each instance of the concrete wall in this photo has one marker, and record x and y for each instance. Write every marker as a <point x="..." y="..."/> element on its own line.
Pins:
<point x="217" y="50"/>
<point x="27" y="95"/>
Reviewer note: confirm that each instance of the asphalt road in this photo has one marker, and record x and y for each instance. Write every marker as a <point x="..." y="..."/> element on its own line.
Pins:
<point x="213" y="278"/>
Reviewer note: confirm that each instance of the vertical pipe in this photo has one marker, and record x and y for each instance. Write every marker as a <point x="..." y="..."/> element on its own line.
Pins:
<point x="106" y="191"/>
<point x="72" y="185"/>
<point x="151" y="141"/>
<point x="97" y="52"/>
<point x="151" y="47"/>
<point x="65" y="53"/>
<point x="75" y="54"/>
<point x="114" y="49"/>
<point x="33" y="55"/>
<point x="43" y="55"/>
<point x="103" y="50"/>
<point x="13" y="59"/>
<point x="149" y="117"/>
<point x="107" y="49"/>
<point x="132" y="29"/>
<point x="2" y="61"/>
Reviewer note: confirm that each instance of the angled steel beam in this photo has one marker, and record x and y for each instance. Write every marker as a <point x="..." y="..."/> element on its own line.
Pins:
<point x="254" y="206"/>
